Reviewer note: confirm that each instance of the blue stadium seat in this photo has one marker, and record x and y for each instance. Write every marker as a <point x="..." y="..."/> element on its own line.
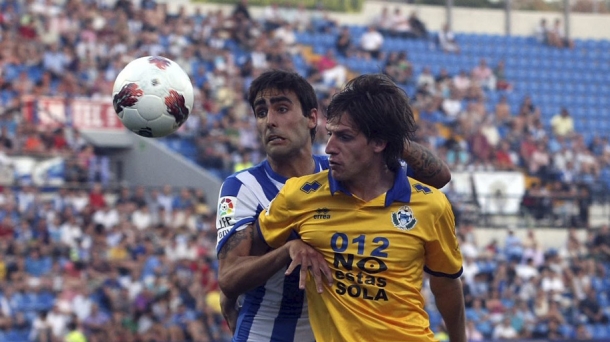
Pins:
<point x="305" y="38"/>
<point x="599" y="331"/>
<point x="17" y="335"/>
<point x="567" y="331"/>
<point x="320" y="49"/>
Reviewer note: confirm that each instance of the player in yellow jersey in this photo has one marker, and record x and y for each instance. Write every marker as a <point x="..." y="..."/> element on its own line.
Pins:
<point x="378" y="229"/>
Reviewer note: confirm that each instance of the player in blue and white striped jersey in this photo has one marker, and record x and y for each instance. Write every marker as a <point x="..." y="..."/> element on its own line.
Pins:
<point x="272" y="308"/>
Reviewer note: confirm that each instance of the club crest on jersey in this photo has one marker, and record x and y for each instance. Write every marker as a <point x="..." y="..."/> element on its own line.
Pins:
<point x="226" y="206"/>
<point x="404" y="219"/>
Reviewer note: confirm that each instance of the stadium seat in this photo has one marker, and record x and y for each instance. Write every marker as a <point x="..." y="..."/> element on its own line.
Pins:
<point x="599" y="331"/>
<point x="17" y="335"/>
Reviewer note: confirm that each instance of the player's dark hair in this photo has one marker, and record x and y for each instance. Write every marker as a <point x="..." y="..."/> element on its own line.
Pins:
<point x="286" y="81"/>
<point x="380" y="110"/>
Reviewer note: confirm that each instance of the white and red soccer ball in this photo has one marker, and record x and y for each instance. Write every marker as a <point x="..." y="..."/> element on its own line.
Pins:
<point x="153" y="96"/>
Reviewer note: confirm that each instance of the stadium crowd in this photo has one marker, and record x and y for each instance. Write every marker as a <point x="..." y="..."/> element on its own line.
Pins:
<point x="82" y="263"/>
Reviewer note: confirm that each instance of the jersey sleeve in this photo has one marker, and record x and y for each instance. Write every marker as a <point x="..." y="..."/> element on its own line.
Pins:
<point x="237" y="207"/>
<point x="276" y="222"/>
<point x="443" y="255"/>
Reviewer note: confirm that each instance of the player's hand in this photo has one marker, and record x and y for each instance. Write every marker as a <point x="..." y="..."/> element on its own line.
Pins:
<point x="229" y="312"/>
<point x="309" y="259"/>
<point x="231" y="318"/>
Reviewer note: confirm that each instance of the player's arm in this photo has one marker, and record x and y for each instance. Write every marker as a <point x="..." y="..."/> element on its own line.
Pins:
<point x="277" y="223"/>
<point x="444" y="264"/>
<point x="449" y="299"/>
<point x="243" y="265"/>
<point x="228" y="307"/>
<point x="427" y="167"/>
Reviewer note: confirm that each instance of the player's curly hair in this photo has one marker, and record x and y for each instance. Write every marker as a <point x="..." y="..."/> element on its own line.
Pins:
<point x="380" y="110"/>
<point x="286" y="81"/>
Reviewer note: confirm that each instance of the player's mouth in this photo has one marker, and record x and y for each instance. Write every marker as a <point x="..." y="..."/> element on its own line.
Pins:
<point x="333" y="164"/>
<point x="275" y="139"/>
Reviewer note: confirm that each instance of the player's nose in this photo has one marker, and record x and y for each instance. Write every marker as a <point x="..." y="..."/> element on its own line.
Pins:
<point x="331" y="147"/>
<point x="272" y="118"/>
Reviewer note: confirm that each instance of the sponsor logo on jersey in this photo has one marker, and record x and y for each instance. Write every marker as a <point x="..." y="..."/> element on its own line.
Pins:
<point x="322" y="214"/>
<point x="404" y="219"/>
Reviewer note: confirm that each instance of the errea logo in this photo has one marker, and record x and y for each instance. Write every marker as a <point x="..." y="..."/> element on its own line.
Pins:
<point x="310" y="187"/>
<point x="322" y="214"/>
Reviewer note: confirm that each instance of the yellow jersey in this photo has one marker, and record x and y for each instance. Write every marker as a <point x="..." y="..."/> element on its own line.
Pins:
<point x="377" y="251"/>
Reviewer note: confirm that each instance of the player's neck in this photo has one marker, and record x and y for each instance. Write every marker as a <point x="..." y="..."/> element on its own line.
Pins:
<point x="371" y="183"/>
<point x="295" y="166"/>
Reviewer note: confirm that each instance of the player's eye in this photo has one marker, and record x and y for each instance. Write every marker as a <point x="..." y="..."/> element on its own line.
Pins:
<point x="261" y="113"/>
<point x="282" y="109"/>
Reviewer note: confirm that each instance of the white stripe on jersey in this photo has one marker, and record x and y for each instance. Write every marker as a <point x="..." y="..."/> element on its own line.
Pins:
<point x="277" y="310"/>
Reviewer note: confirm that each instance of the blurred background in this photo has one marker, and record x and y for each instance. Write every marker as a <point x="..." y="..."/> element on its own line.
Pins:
<point x="107" y="236"/>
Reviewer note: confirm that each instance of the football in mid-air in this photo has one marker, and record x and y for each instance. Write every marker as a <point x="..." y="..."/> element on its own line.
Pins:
<point x="153" y="96"/>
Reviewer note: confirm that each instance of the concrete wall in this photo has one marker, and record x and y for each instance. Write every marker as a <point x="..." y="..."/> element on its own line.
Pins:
<point x="464" y="19"/>
<point x="150" y="163"/>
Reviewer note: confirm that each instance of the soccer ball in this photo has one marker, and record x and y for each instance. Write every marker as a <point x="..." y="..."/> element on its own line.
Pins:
<point x="152" y="96"/>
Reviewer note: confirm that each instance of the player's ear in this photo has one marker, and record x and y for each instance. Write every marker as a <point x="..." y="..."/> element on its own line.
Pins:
<point x="313" y="118"/>
<point x="378" y="145"/>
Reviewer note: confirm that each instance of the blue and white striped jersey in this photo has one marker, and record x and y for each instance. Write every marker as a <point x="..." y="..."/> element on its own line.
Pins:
<point x="277" y="310"/>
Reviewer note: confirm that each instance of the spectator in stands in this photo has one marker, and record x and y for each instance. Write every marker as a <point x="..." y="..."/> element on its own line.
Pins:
<point x="484" y="76"/>
<point x="542" y="32"/>
<point x="302" y="19"/>
<point x="334" y="75"/>
<point x="601" y="244"/>
<point x="399" y="25"/>
<point x="418" y="28"/>
<point x="343" y="43"/>
<point x="562" y="123"/>
<point x="287" y="35"/>
<point x="591" y="309"/>
<point x="272" y="17"/>
<point x="461" y="83"/>
<point x="556" y="36"/>
<point x="371" y="43"/>
<point x="241" y="8"/>
<point x="425" y="81"/>
<point x="582" y="333"/>
<point x="505" y="330"/>
<point x="457" y="155"/>
<point x="383" y="22"/>
<point x="446" y="40"/>
<point x="539" y="162"/>
<point x="505" y="159"/>
<point x="502" y="82"/>
<point x="472" y="333"/>
<point x="480" y="148"/>
<point x="398" y="68"/>
<point x="452" y="108"/>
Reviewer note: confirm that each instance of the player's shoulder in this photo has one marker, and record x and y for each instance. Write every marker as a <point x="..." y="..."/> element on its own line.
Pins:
<point x="309" y="183"/>
<point x="256" y="171"/>
<point x="246" y="177"/>
<point x="433" y="197"/>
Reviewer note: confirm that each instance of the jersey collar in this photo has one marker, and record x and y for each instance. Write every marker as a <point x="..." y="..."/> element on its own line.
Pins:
<point x="276" y="176"/>
<point x="400" y="191"/>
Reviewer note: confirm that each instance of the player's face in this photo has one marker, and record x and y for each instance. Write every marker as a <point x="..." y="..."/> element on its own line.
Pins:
<point x="350" y="154"/>
<point x="283" y="128"/>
